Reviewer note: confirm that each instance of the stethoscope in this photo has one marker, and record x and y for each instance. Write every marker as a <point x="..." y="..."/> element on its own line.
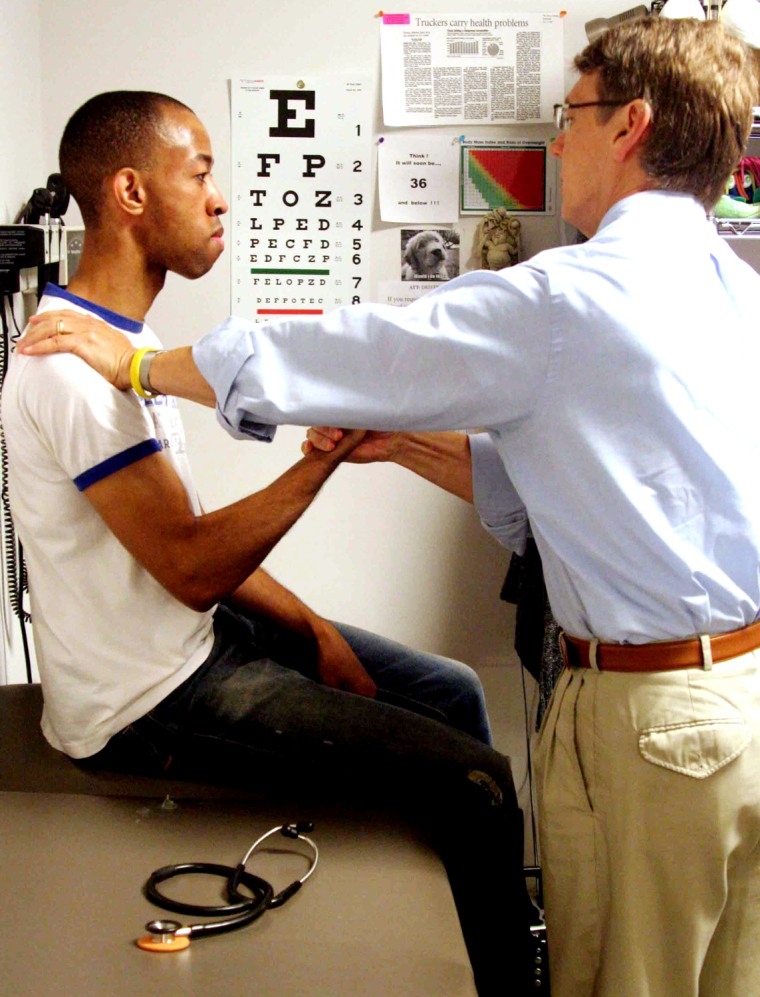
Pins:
<point x="171" y="936"/>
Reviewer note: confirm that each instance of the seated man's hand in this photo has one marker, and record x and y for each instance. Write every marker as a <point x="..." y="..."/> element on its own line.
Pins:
<point x="375" y="446"/>
<point x="338" y="665"/>
<point x="107" y="351"/>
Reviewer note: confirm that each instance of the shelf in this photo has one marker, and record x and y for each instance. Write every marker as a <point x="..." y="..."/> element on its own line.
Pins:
<point x="741" y="228"/>
<point x="738" y="228"/>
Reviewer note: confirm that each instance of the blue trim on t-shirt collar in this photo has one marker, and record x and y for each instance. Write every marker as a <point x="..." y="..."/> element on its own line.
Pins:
<point x="113" y="318"/>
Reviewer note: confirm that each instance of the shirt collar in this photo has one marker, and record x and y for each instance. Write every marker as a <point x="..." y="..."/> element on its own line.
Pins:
<point x="654" y="202"/>
<point x="113" y="318"/>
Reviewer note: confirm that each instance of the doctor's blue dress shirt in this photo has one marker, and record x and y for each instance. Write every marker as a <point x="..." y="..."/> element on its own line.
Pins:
<point x="617" y="381"/>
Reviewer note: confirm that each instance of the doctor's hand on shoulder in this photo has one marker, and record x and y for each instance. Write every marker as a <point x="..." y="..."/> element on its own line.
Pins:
<point x="106" y="350"/>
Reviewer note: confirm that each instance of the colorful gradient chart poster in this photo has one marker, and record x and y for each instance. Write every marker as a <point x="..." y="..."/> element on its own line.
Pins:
<point x="519" y="176"/>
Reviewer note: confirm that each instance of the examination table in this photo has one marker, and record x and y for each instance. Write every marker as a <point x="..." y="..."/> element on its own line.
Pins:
<point x="377" y="918"/>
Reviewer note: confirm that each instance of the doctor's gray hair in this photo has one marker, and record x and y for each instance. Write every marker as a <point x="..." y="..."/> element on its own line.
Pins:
<point x="701" y="84"/>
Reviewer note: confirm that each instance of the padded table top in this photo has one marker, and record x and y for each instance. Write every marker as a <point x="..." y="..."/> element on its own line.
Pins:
<point x="377" y="917"/>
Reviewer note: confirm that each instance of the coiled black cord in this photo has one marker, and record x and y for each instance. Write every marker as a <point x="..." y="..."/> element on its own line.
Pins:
<point x="239" y="911"/>
<point x="15" y="566"/>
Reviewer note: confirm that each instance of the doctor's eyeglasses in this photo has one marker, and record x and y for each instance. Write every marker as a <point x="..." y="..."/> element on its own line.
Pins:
<point x="561" y="120"/>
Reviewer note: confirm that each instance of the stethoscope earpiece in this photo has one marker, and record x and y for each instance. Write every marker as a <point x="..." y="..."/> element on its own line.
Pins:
<point x="171" y="936"/>
<point x="295" y="830"/>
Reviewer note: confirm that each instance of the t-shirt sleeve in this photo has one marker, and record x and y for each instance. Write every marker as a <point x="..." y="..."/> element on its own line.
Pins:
<point x="89" y="427"/>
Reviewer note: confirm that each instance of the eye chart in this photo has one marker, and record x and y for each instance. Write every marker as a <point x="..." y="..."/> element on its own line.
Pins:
<point x="301" y="195"/>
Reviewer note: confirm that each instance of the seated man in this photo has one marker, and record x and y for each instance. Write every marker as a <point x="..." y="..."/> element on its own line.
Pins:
<point x="161" y="642"/>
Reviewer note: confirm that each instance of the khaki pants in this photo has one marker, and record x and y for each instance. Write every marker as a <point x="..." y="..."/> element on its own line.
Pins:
<point x="649" y="811"/>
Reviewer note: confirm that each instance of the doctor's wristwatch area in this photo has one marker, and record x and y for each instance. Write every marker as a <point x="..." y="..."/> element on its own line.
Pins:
<point x="241" y="908"/>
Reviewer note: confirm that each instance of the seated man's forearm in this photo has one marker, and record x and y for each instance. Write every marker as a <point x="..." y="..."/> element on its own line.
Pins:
<point x="201" y="559"/>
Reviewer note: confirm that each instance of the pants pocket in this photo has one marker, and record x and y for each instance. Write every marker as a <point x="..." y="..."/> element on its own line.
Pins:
<point x="697" y="748"/>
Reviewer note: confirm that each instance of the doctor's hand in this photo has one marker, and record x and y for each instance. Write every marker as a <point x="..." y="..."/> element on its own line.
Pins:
<point x="107" y="351"/>
<point x="375" y="446"/>
<point x="339" y="451"/>
<point x="338" y="665"/>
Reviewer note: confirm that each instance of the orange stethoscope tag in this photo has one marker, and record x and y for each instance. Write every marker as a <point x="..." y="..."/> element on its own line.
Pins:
<point x="150" y="943"/>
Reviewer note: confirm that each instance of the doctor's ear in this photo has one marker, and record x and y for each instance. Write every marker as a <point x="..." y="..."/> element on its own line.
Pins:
<point x="129" y="190"/>
<point x="635" y="121"/>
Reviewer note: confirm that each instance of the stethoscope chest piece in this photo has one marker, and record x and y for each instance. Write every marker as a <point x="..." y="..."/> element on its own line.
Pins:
<point x="163" y="937"/>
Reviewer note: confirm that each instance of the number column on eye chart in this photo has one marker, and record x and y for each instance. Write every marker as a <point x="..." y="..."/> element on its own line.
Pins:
<point x="301" y="198"/>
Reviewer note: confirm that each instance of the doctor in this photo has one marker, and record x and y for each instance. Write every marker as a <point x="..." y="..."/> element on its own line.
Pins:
<point x="617" y="380"/>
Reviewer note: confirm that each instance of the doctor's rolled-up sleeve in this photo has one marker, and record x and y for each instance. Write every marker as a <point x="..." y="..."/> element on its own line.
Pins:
<point x="220" y="356"/>
<point x="471" y="353"/>
<point x="496" y="499"/>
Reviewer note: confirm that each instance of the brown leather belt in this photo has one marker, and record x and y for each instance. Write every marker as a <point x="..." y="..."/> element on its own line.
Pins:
<point x="660" y="656"/>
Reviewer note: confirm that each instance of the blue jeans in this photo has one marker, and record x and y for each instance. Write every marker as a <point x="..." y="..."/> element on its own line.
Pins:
<point x="437" y="687"/>
<point x="254" y="714"/>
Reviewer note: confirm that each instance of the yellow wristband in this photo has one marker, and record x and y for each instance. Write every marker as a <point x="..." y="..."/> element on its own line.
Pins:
<point x="134" y="372"/>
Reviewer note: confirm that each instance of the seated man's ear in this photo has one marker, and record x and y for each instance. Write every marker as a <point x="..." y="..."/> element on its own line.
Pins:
<point x="634" y="121"/>
<point x="128" y="190"/>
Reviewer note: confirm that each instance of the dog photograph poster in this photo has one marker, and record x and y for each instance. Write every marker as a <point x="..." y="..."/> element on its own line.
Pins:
<point x="429" y="254"/>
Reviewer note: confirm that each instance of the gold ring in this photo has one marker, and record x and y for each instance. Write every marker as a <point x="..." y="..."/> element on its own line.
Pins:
<point x="59" y="327"/>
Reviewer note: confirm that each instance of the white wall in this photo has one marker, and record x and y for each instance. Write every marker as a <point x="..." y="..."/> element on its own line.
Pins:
<point x="21" y="162"/>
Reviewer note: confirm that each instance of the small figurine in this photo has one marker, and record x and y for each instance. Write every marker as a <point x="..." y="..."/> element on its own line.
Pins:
<point x="497" y="240"/>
